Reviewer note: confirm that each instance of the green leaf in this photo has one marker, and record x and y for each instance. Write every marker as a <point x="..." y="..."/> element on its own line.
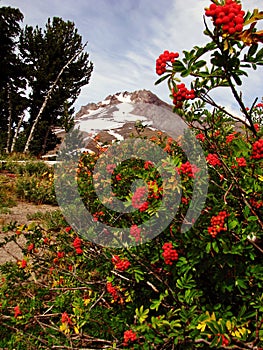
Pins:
<point x="241" y="283"/>
<point x="215" y="246"/>
<point x="162" y="79"/>
<point x="185" y="73"/>
<point x="259" y="55"/>
<point x="155" y="305"/>
<point x="178" y="66"/>
<point x="199" y="64"/>
<point x="232" y="224"/>
<point x="141" y="314"/>
<point x="237" y="79"/>
<point x="208" y="247"/>
<point x="139" y="275"/>
<point x="252" y="50"/>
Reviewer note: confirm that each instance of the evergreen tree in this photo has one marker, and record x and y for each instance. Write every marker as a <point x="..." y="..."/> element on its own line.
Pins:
<point x="12" y="83"/>
<point x="55" y="52"/>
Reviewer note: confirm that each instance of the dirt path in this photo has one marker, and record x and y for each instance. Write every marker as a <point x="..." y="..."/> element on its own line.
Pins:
<point x="20" y="214"/>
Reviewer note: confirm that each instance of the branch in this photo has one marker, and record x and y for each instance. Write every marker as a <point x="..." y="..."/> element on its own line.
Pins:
<point x="206" y="98"/>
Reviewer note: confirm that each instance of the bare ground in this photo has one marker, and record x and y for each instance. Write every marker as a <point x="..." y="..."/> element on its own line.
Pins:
<point x="21" y="215"/>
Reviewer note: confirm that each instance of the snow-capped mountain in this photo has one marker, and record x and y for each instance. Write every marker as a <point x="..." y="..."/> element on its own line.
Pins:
<point x="115" y="117"/>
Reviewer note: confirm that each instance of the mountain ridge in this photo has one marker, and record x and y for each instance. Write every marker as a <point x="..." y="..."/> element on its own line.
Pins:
<point x="137" y="96"/>
<point x="115" y="118"/>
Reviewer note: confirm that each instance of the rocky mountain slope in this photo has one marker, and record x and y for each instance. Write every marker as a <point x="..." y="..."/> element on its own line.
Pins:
<point x="116" y="116"/>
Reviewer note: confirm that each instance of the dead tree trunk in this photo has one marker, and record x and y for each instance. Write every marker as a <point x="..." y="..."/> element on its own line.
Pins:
<point x="9" y="122"/>
<point x="17" y="132"/>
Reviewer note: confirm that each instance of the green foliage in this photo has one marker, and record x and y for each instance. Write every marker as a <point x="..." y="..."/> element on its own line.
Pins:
<point x="51" y="220"/>
<point x="37" y="188"/>
<point x="32" y="180"/>
<point x="27" y="166"/>
<point x="7" y="198"/>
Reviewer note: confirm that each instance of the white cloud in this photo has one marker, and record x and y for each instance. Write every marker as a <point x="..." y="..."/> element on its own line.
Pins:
<point x="126" y="36"/>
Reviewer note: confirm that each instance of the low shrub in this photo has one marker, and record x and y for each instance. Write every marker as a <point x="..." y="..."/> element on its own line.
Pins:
<point x="36" y="188"/>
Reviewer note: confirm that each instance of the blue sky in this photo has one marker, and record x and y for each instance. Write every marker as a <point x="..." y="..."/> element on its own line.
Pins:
<point x="126" y="36"/>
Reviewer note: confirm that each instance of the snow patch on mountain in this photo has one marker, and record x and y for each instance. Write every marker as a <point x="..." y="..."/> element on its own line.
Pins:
<point x="115" y="117"/>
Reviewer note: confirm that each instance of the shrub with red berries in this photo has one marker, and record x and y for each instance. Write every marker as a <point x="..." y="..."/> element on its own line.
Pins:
<point x="213" y="159"/>
<point x="17" y="311"/>
<point x="162" y="60"/>
<point x="217" y="224"/>
<point x="77" y="244"/>
<point x="167" y="273"/>
<point x="169" y="253"/>
<point x="120" y="264"/>
<point x="223" y="339"/>
<point x="256" y="203"/>
<point x="188" y="169"/>
<point x="129" y="336"/>
<point x="241" y="162"/>
<point x="112" y="290"/>
<point x="135" y="232"/>
<point x="137" y="199"/>
<point x="228" y="17"/>
<point x="257" y="148"/>
<point x="182" y="94"/>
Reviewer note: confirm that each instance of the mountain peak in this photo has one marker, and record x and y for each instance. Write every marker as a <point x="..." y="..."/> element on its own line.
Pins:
<point x="135" y="97"/>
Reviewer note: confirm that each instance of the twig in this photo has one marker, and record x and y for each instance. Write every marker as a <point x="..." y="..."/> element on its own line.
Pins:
<point x="117" y="274"/>
<point x="96" y="302"/>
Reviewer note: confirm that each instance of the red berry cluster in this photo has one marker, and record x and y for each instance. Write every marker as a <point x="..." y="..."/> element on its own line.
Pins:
<point x="110" y="168"/>
<point x="225" y="341"/>
<point x="65" y="318"/>
<point x="188" y="169"/>
<point x="256" y="204"/>
<point x="200" y="137"/>
<point x="181" y="95"/>
<point x="97" y="215"/>
<point x="112" y="290"/>
<point x="22" y="264"/>
<point x="154" y="190"/>
<point x="259" y="105"/>
<point x="169" y="253"/>
<point x="144" y="206"/>
<point x="213" y="159"/>
<point x="148" y="165"/>
<point x="120" y="264"/>
<point x="165" y="57"/>
<point x="137" y="202"/>
<point x="241" y="162"/>
<point x="77" y="245"/>
<point x="60" y="255"/>
<point x="135" y="232"/>
<point x="217" y="223"/>
<point x="230" y="137"/>
<point x="17" y="311"/>
<point x="129" y="336"/>
<point x="257" y="148"/>
<point x="257" y="127"/>
<point x="229" y="17"/>
<point x="30" y="247"/>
